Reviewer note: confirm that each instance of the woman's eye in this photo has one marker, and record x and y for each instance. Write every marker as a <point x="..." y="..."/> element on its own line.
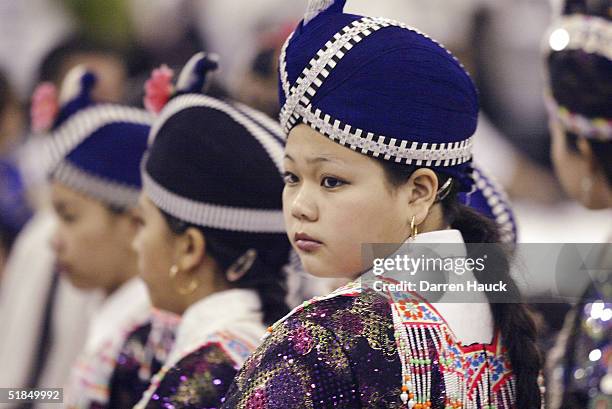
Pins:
<point x="139" y="220"/>
<point x="289" y="178"/>
<point x="67" y="218"/>
<point x="330" y="182"/>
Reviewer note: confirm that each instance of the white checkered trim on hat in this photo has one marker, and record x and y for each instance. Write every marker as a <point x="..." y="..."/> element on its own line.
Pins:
<point x="263" y="120"/>
<point x="271" y="145"/>
<point x="411" y="153"/>
<point x="212" y="215"/>
<point x="298" y="106"/>
<point x="599" y="129"/>
<point x="103" y="189"/>
<point x="591" y="34"/>
<point x="85" y="122"/>
<point x="499" y="203"/>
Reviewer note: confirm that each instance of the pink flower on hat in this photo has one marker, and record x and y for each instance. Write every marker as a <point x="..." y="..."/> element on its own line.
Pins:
<point x="158" y="89"/>
<point x="45" y="107"/>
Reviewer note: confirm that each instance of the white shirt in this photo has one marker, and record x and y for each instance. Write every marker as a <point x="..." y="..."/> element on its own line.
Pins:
<point x="122" y="311"/>
<point x="23" y="293"/>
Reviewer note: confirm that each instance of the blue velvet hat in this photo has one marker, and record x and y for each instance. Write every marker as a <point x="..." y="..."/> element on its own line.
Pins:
<point x="96" y="149"/>
<point x="385" y="90"/>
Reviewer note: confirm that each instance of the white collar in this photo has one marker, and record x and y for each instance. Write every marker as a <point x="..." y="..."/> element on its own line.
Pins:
<point x="439" y="236"/>
<point x="437" y="240"/>
<point x="127" y="306"/>
<point x="238" y="310"/>
<point x="460" y="315"/>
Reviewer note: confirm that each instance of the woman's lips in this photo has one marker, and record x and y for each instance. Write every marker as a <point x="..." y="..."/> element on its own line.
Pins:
<point x="306" y="243"/>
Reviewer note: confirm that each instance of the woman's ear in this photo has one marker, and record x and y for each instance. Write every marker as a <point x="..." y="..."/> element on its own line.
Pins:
<point x="423" y="187"/>
<point x="191" y="249"/>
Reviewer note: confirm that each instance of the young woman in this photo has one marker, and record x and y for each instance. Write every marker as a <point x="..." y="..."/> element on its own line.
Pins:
<point x="579" y="68"/>
<point x="95" y="182"/>
<point x="379" y="119"/>
<point x="212" y="245"/>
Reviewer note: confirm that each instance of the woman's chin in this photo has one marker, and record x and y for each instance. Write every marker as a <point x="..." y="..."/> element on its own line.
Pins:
<point x="79" y="282"/>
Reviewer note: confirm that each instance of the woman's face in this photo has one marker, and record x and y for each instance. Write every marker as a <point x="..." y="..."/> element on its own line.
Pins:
<point x="155" y="243"/>
<point x="334" y="201"/>
<point x="91" y="243"/>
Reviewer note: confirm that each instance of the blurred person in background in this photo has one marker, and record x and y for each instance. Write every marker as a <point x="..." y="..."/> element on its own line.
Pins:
<point x="110" y="68"/>
<point x="14" y="209"/>
<point x="212" y="245"/>
<point x="28" y="30"/>
<point x="95" y="183"/>
<point x="258" y="85"/>
<point x="578" y="57"/>
<point x="236" y="31"/>
<point x="107" y="63"/>
<point x="46" y="318"/>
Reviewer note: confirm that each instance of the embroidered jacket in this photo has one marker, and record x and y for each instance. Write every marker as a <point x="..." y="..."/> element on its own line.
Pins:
<point x="340" y="351"/>
<point x="90" y="379"/>
<point x="215" y="337"/>
<point x="144" y="352"/>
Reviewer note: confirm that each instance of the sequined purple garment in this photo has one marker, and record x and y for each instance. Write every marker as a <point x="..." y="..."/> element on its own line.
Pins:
<point x="587" y="360"/>
<point x="132" y="373"/>
<point x="199" y="380"/>
<point x="341" y="352"/>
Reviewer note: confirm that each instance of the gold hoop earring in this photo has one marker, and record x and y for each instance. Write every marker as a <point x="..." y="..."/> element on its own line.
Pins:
<point x="241" y="266"/>
<point x="414" y="230"/>
<point x="193" y="284"/>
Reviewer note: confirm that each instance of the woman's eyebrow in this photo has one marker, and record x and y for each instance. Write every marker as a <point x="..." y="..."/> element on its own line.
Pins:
<point x="318" y="159"/>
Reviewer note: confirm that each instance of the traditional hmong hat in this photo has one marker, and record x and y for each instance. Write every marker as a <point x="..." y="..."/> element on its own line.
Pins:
<point x="490" y="199"/>
<point x="388" y="91"/>
<point x="93" y="148"/>
<point x="210" y="162"/>
<point x="578" y="50"/>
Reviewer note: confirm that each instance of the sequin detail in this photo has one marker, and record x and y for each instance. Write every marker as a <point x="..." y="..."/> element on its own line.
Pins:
<point x="201" y="378"/>
<point x="341" y="351"/>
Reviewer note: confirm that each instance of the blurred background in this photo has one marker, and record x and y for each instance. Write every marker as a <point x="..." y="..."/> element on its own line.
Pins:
<point x="498" y="41"/>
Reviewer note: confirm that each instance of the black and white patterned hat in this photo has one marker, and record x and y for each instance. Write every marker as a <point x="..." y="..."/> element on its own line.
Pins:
<point x="215" y="163"/>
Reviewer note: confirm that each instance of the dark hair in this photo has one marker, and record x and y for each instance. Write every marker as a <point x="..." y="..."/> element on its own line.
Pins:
<point x="580" y="82"/>
<point x="52" y="63"/>
<point x="266" y="275"/>
<point x="600" y="8"/>
<point x="513" y="319"/>
<point x="601" y="149"/>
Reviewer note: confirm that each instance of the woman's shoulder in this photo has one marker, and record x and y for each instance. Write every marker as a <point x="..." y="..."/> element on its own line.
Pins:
<point x="200" y="377"/>
<point x="333" y="344"/>
<point x="346" y="312"/>
<point x="344" y="327"/>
